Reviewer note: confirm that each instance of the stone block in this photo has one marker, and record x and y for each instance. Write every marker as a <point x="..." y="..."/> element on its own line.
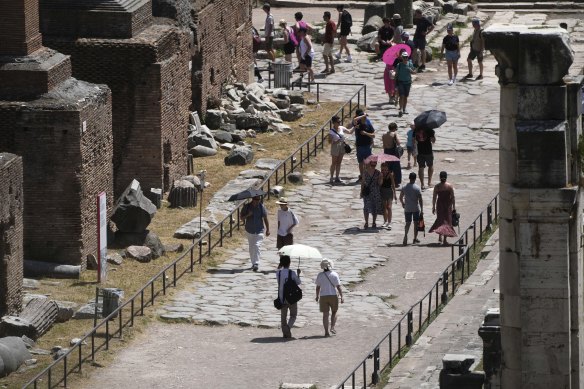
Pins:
<point x="541" y="154"/>
<point x="541" y="314"/>
<point x="541" y="102"/>
<point x="367" y="42"/>
<point x="510" y="346"/>
<point x="239" y="156"/>
<point x="374" y="23"/>
<point x="375" y="9"/>
<point x="133" y="211"/>
<point x="449" y="6"/>
<point x="202" y="151"/>
<point x="462" y="9"/>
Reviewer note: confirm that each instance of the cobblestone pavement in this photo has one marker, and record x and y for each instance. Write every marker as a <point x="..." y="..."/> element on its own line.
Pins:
<point x="455" y="331"/>
<point x="241" y="345"/>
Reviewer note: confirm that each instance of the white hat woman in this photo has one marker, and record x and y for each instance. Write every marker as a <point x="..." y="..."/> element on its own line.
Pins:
<point x="327" y="284"/>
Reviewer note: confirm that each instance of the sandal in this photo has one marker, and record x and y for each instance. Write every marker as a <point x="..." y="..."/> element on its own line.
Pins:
<point x="366" y="226"/>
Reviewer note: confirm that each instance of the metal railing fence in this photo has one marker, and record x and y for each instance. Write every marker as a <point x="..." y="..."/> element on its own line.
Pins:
<point x="123" y="317"/>
<point x="413" y="323"/>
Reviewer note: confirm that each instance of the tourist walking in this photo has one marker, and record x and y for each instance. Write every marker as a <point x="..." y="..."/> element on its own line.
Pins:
<point x="337" y="140"/>
<point x="328" y="43"/>
<point x="283" y="274"/>
<point x="411" y="147"/>
<point x="388" y="194"/>
<point x="364" y="134"/>
<point x="290" y="41"/>
<point x="411" y="200"/>
<point x="371" y="194"/>
<point x="443" y="205"/>
<point x="287" y="220"/>
<point x="345" y="23"/>
<point x="306" y="53"/>
<point x="256" y="42"/>
<point x="403" y="77"/>
<point x="423" y="28"/>
<point x="477" y="47"/>
<point x="297" y="26"/>
<point x="327" y="284"/>
<point x="255" y="216"/>
<point x="424" y="141"/>
<point x="269" y="33"/>
<point x="392" y="146"/>
<point x="451" y="44"/>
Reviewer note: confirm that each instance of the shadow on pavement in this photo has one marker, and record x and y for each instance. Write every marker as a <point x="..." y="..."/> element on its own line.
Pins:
<point x="270" y="339"/>
<point x="357" y="230"/>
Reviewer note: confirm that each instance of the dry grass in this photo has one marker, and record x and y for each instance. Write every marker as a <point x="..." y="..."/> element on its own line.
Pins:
<point x="131" y="276"/>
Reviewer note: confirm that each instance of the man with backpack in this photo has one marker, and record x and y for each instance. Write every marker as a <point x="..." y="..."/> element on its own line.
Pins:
<point x="345" y="23"/>
<point x="288" y="293"/>
<point x="477" y="47"/>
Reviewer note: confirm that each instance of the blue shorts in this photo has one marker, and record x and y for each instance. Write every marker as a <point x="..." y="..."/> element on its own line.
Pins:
<point x="363" y="152"/>
<point x="452" y="55"/>
<point x="410" y="215"/>
<point x="404" y="88"/>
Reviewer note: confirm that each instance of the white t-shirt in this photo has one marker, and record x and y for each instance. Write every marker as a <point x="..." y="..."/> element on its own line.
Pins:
<point x="282" y="275"/>
<point x="326" y="286"/>
<point x="340" y="133"/>
<point x="286" y="219"/>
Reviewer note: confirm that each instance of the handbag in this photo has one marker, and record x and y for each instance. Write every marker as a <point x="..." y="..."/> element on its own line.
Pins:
<point x="455" y="218"/>
<point x="421" y="225"/>
<point x="399" y="150"/>
<point x="277" y="302"/>
<point x="392" y="74"/>
<point x="347" y="148"/>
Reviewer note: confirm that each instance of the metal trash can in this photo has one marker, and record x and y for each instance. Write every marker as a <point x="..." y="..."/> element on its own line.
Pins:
<point x="112" y="299"/>
<point x="282" y="73"/>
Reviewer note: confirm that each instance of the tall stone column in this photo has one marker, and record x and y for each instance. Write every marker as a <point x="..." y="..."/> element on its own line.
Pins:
<point x="541" y="255"/>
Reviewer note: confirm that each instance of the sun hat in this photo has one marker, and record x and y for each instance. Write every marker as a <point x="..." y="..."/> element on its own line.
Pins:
<point x="282" y="201"/>
<point x="326" y="264"/>
<point x="396" y="16"/>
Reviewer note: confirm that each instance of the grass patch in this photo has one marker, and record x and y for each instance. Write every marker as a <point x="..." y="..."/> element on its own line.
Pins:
<point x="131" y="275"/>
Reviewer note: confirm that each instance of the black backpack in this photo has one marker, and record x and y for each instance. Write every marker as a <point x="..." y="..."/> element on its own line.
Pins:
<point x="347" y="19"/>
<point x="292" y="292"/>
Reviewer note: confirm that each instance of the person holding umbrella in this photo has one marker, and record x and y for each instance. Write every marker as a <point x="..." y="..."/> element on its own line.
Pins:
<point x="425" y="123"/>
<point x="255" y="216"/>
<point x="326" y="283"/>
<point x="282" y="275"/>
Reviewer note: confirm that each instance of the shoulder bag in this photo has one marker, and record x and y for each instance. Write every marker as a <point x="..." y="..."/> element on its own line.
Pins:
<point x="277" y="302"/>
<point x="347" y="147"/>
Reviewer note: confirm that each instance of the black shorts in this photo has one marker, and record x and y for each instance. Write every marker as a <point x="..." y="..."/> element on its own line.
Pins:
<point x="282" y="241"/>
<point x="289" y="48"/>
<point x="345" y="31"/>
<point x="475" y="54"/>
<point x="269" y="43"/>
<point x="420" y="42"/>
<point x="306" y="61"/>
<point x="425" y="159"/>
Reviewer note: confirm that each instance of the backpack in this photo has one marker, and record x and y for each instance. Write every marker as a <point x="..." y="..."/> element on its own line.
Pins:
<point x="347" y="19"/>
<point x="292" y="292"/>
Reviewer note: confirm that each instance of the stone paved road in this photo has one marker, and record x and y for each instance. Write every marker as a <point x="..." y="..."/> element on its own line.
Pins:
<point x="243" y="348"/>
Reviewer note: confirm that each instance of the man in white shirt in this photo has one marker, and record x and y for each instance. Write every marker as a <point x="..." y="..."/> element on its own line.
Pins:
<point x="269" y="32"/>
<point x="287" y="220"/>
<point x="326" y="283"/>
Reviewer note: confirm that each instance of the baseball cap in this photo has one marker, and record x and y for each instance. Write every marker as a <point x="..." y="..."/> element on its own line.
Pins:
<point x="449" y="27"/>
<point x="396" y="16"/>
<point x="476" y="21"/>
<point x="405" y="54"/>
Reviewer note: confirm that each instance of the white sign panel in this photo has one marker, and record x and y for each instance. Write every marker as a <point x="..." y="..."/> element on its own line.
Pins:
<point x="101" y="237"/>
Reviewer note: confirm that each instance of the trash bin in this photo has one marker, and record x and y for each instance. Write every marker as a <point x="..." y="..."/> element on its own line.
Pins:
<point x="282" y="71"/>
<point x="112" y="299"/>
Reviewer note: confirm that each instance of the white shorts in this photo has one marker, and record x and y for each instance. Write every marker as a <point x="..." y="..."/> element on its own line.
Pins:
<point x="328" y="49"/>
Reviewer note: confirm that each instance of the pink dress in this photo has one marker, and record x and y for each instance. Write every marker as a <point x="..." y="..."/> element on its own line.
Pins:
<point x="443" y="223"/>
<point x="389" y="83"/>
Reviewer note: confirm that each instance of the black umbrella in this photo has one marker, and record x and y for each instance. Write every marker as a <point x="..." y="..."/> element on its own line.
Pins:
<point x="247" y="194"/>
<point x="430" y="119"/>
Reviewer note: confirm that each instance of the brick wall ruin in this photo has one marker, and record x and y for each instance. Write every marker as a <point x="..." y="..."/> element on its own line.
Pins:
<point x="148" y="73"/>
<point x="221" y="52"/>
<point x="61" y="127"/>
<point x="10" y="234"/>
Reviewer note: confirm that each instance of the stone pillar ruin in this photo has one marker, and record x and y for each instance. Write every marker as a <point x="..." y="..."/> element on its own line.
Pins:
<point x="61" y="127"/>
<point x="146" y="67"/>
<point x="541" y="208"/>
<point x="11" y="199"/>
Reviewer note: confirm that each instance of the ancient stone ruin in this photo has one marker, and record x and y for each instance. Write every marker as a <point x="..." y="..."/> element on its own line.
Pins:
<point x="61" y="127"/>
<point x="11" y="199"/>
<point x="146" y="67"/>
<point x="541" y="210"/>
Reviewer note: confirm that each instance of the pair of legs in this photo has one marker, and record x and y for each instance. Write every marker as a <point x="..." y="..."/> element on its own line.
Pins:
<point x="410" y="155"/>
<point x="285" y="322"/>
<point x="442" y="239"/>
<point x="389" y="83"/>
<point x="452" y="62"/>
<point x="327" y="54"/>
<point x="270" y="48"/>
<point x="362" y="153"/>
<point x="424" y="160"/>
<point x="329" y="303"/>
<point x="387" y="211"/>
<point x="306" y="63"/>
<point x="366" y="217"/>
<point x="255" y="244"/>
<point x="404" y="91"/>
<point x="343" y="44"/>
<point x="416" y="217"/>
<point x="336" y="166"/>
<point x="471" y="56"/>
<point x="420" y="44"/>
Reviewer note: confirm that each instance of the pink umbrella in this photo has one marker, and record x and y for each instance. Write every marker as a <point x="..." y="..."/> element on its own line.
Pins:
<point x="392" y="53"/>
<point x="381" y="158"/>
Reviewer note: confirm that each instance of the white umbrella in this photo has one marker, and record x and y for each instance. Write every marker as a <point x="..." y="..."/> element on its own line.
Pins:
<point x="300" y="251"/>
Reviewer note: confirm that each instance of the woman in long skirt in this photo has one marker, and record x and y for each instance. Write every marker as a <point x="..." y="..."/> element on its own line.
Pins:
<point x="443" y="203"/>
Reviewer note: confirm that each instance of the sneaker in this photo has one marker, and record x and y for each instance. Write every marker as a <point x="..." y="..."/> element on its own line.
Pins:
<point x="331" y="180"/>
<point x="338" y="180"/>
<point x="286" y="331"/>
<point x="405" y="112"/>
<point x="400" y="114"/>
<point x="254" y="267"/>
<point x="405" y="242"/>
<point x="450" y="82"/>
<point x="332" y="71"/>
<point x="349" y="59"/>
<point x="338" y="55"/>
<point x="468" y="75"/>
<point x="480" y="77"/>
<point x="416" y="241"/>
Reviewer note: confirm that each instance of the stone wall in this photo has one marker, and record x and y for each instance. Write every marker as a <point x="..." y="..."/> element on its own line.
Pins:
<point x="64" y="138"/>
<point x="149" y="78"/>
<point x="19" y="31"/>
<point x="11" y="202"/>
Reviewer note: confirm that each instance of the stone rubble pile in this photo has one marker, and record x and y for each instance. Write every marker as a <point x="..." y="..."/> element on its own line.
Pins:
<point x="244" y="111"/>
